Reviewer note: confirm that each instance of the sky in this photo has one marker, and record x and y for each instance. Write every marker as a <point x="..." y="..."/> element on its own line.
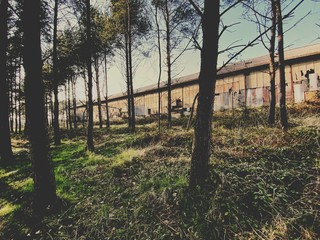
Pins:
<point x="304" y="33"/>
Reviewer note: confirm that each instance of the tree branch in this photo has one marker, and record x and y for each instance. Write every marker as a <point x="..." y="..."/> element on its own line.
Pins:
<point x="235" y="46"/>
<point x="233" y="5"/>
<point x="196" y="8"/>
<point x="225" y="27"/>
<point x="261" y="34"/>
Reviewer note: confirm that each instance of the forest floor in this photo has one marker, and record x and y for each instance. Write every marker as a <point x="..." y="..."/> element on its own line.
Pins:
<point x="264" y="184"/>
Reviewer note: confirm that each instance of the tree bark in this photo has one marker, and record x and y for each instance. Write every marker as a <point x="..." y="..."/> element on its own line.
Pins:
<point x="69" y="105"/>
<point x="168" y="52"/>
<point x="15" y="105"/>
<point x="133" y="115"/>
<point x="199" y="171"/>
<point x="6" y="154"/>
<point x="160" y="68"/>
<point x="90" y="146"/>
<point x="192" y="111"/>
<point x="107" y="107"/>
<point x="19" y="98"/>
<point x="43" y="174"/>
<point x="56" y="127"/>
<point x="11" y="101"/>
<point x="281" y="65"/>
<point x="272" y="69"/>
<point x="66" y="105"/>
<point x="47" y="107"/>
<point x="51" y="110"/>
<point x="74" y="102"/>
<point x="128" y="82"/>
<point x="96" y="64"/>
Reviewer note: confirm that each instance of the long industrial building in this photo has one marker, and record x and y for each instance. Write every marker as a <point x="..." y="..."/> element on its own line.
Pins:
<point x="245" y="83"/>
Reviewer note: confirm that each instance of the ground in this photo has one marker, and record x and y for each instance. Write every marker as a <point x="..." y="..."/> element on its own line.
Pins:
<point x="264" y="183"/>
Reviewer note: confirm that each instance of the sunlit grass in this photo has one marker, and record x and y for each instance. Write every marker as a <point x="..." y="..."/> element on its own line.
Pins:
<point x="25" y="185"/>
<point x="7" y="208"/>
<point x="125" y="157"/>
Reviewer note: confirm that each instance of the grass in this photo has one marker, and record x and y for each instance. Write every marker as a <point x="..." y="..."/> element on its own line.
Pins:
<point x="264" y="184"/>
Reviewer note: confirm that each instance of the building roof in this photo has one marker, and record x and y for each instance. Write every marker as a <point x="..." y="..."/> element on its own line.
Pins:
<point x="232" y="68"/>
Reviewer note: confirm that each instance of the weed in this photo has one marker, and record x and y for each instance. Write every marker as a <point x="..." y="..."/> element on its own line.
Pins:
<point x="264" y="183"/>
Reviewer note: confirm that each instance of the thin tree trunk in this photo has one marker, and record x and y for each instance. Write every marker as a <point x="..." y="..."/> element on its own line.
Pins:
<point x="74" y="102"/>
<point x="168" y="49"/>
<point x="96" y="64"/>
<point x="272" y="69"/>
<point x="15" y="104"/>
<point x="46" y="108"/>
<point x="86" y="94"/>
<point x="66" y="105"/>
<point x="128" y="83"/>
<point x="69" y="106"/>
<point x="199" y="171"/>
<point x="160" y="70"/>
<point x="192" y="111"/>
<point x="19" y="97"/>
<point x="6" y="154"/>
<point x="107" y="107"/>
<point x="283" y="109"/>
<point x="51" y="110"/>
<point x="56" y="127"/>
<point x="90" y="146"/>
<point x="129" y="33"/>
<point x="43" y="174"/>
<point x="11" y="103"/>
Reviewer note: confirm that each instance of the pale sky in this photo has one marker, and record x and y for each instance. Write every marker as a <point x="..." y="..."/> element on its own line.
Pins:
<point x="305" y="33"/>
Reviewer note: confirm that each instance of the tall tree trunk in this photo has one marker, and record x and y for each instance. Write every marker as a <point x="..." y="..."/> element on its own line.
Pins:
<point x="66" y="105"/>
<point x="90" y="146"/>
<point x="86" y="94"/>
<point x="6" y="154"/>
<point x="128" y="82"/>
<point x="107" y="107"/>
<point x="74" y="102"/>
<point x="96" y="64"/>
<point x="51" y="110"/>
<point x="46" y="107"/>
<point x="69" y="105"/>
<point x="160" y="68"/>
<point x="43" y="174"/>
<point x="19" y="97"/>
<point x="168" y="49"/>
<point x="11" y="102"/>
<point x="56" y="127"/>
<point x="15" y="104"/>
<point x="199" y="172"/>
<point x="272" y="69"/>
<point x="283" y="109"/>
<point x="129" y="69"/>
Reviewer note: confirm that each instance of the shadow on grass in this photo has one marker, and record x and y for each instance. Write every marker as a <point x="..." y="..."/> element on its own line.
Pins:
<point x="198" y="212"/>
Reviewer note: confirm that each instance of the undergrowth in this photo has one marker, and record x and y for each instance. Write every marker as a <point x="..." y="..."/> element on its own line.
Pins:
<point x="264" y="183"/>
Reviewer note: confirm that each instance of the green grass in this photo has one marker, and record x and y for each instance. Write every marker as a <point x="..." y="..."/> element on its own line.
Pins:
<point x="264" y="184"/>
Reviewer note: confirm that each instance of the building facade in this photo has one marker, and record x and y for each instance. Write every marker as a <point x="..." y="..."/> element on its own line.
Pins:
<point x="245" y="83"/>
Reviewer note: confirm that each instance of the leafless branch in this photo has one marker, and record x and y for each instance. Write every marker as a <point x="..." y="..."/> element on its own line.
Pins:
<point x="235" y="46"/>
<point x="196" y="44"/>
<point x="255" y="11"/>
<point x="261" y="34"/>
<point x="14" y="10"/>
<point x="230" y="7"/>
<point x="292" y="10"/>
<point x="225" y="27"/>
<point x="196" y="8"/>
<point x="294" y="25"/>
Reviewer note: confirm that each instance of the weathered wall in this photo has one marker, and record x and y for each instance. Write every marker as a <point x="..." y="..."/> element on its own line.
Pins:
<point x="250" y="88"/>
